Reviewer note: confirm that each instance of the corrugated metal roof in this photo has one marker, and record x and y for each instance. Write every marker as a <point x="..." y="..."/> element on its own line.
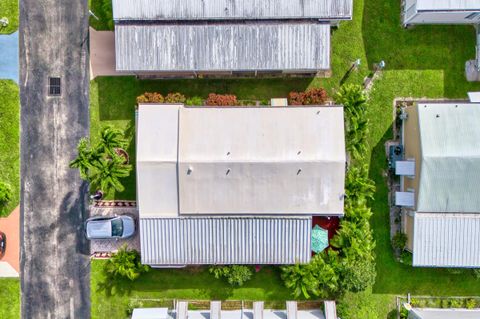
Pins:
<point x="236" y="240"/>
<point x="223" y="47"/>
<point x="442" y="5"/>
<point x="430" y="313"/>
<point x="231" y="9"/>
<point x="446" y="240"/>
<point x="235" y="161"/>
<point x="450" y="167"/>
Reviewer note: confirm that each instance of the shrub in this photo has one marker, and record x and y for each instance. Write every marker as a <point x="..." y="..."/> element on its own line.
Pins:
<point x="476" y="273"/>
<point x="406" y="258"/>
<point x="399" y="240"/>
<point x="470" y="303"/>
<point x="194" y="101"/>
<point x="455" y="303"/>
<point x="175" y="98"/>
<point x="354" y="100"/>
<point x="125" y="263"/>
<point x="313" y="96"/>
<point x="358" y="275"/>
<point x="5" y="193"/>
<point x="236" y="275"/>
<point x="149" y="97"/>
<point x="132" y="304"/>
<point x="221" y="100"/>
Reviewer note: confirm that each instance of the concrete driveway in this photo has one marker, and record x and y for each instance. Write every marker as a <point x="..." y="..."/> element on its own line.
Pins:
<point x="54" y="258"/>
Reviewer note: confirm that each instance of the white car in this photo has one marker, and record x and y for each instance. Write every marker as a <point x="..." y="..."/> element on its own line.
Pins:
<point x="110" y="227"/>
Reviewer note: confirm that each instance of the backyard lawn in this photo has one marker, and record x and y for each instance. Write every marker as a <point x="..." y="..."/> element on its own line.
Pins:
<point x="9" y="141"/>
<point x="9" y="9"/>
<point x="425" y="61"/>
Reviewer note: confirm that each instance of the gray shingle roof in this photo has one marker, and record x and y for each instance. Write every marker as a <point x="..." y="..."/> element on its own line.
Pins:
<point x="225" y="240"/>
<point x="231" y="9"/>
<point x="223" y="47"/>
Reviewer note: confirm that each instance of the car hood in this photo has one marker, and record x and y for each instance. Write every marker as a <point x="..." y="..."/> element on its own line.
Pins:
<point x="128" y="226"/>
<point x="99" y="229"/>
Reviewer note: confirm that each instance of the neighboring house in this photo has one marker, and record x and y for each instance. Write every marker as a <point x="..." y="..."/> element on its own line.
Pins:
<point x="441" y="12"/>
<point x="447" y="12"/>
<point x="190" y="38"/>
<point x="431" y="313"/>
<point x="236" y="185"/>
<point x="440" y="183"/>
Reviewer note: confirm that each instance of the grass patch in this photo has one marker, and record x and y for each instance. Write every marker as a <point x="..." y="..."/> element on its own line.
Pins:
<point x="103" y="11"/>
<point x="9" y="141"/>
<point x="9" y="9"/>
<point x="111" y="301"/>
<point x="10" y="297"/>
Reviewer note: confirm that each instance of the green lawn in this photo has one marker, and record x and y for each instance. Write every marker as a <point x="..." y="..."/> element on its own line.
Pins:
<point x="195" y="283"/>
<point x="422" y="62"/>
<point x="10" y="298"/>
<point x="9" y="9"/>
<point x="9" y="141"/>
<point x="103" y="11"/>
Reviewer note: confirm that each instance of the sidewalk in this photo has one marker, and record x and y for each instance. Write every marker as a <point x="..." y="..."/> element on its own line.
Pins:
<point x="102" y="54"/>
<point x="11" y="227"/>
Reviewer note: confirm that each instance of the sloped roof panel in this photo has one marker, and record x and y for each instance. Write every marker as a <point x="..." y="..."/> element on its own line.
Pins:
<point x="231" y="9"/>
<point x="223" y="47"/>
<point x="239" y="240"/>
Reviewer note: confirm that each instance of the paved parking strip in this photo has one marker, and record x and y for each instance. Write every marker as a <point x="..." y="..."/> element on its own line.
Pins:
<point x="54" y="257"/>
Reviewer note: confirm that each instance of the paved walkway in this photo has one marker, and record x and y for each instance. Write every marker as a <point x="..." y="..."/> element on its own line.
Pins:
<point x="9" y="56"/>
<point x="97" y="246"/>
<point x="11" y="227"/>
<point x="102" y="54"/>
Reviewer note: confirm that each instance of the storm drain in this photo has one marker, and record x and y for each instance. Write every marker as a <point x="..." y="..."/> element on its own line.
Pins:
<point x="54" y="86"/>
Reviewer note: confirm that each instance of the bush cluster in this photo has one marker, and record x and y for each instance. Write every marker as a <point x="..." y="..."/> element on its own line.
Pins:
<point x="125" y="263"/>
<point x="175" y="98"/>
<point x="399" y="241"/>
<point x="5" y="193"/>
<point x="150" y="97"/>
<point x="351" y="266"/>
<point x="221" y="100"/>
<point x="354" y="101"/>
<point x="313" y="96"/>
<point x="236" y="275"/>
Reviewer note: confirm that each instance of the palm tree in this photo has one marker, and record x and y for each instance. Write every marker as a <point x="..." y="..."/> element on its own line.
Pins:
<point x="110" y="139"/>
<point x="86" y="158"/>
<point x="358" y="187"/>
<point x="106" y="173"/>
<point x="125" y="263"/>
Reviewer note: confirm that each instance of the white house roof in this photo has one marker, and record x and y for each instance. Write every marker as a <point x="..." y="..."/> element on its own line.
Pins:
<point x="430" y="313"/>
<point x="222" y="47"/>
<point x="450" y="168"/>
<point x="444" y="5"/>
<point x="225" y="240"/>
<point x="231" y="9"/>
<point x="446" y="240"/>
<point x="261" y="160"/>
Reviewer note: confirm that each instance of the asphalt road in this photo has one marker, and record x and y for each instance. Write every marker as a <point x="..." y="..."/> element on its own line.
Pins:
<point x="54" y="261"/>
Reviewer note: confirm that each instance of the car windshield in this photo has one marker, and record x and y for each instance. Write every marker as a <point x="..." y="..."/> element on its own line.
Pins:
<point x="117" y="227"/>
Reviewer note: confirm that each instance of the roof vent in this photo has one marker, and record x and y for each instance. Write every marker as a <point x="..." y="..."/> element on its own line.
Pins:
<point x="54" y="86"/>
